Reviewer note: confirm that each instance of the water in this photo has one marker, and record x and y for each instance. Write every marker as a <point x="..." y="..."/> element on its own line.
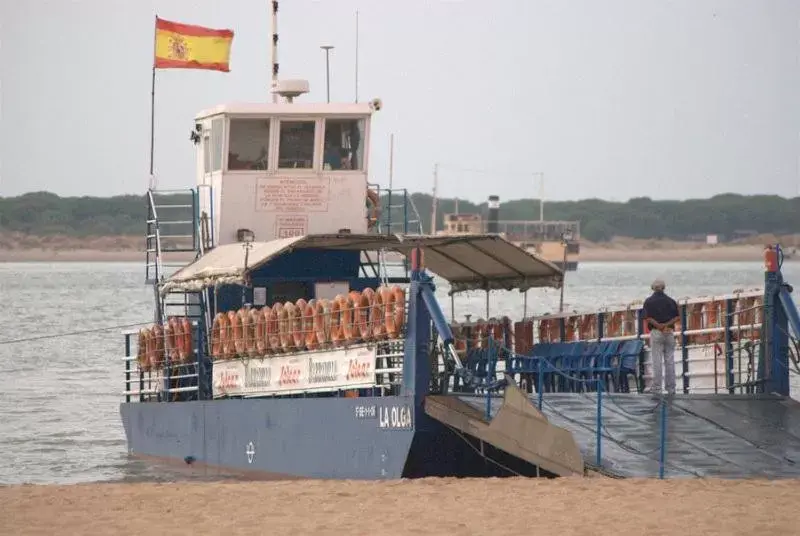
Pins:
<point x="59" y="400"/>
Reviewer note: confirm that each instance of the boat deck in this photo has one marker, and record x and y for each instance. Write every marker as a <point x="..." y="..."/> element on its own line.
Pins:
<point x="724" y="436"/>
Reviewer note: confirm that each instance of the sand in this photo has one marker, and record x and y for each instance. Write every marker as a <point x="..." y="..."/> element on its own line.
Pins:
<point x="494" y="507"/>
<point x="593" y="253"/>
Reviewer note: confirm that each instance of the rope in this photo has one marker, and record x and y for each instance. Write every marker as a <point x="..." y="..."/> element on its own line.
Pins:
<point x="70" y="333"/>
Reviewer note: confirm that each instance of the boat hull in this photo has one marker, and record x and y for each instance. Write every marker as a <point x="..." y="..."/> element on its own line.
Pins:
<point x="313" y="438"/>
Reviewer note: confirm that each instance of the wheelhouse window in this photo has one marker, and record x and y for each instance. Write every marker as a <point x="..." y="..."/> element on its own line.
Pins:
<point x="343" y="144"/>
<point x="296" y="146"/>
<point x="248" y="144"/>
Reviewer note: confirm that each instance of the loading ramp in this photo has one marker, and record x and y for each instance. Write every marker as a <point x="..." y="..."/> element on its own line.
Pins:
<point x="723" y="436"/>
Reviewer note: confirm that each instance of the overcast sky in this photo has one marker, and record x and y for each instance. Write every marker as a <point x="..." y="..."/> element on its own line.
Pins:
<point x="611" y="99"/>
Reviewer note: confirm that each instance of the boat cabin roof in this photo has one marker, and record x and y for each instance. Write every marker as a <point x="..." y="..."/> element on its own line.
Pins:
<point x="287" y="109"/>
<point x="472" y="262"/>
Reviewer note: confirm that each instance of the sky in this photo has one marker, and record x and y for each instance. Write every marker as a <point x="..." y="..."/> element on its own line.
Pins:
<point x="607" y="99"/>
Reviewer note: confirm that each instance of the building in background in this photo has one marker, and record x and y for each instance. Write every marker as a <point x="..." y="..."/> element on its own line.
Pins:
<point x="546" y="238"/>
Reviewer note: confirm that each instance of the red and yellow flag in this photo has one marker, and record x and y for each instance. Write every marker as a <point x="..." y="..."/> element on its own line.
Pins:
<point x="183" y="46"/>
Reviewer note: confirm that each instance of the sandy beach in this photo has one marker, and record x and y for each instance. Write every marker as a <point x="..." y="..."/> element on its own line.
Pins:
<point x="498" y="507"/>
<point x="589" y="253"/>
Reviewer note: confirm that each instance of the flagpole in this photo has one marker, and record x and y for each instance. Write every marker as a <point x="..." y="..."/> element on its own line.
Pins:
<point x="153" y="106"/>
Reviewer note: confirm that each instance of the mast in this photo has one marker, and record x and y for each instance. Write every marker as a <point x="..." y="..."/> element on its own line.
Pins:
<point x="435" y="200"/>
<point x="274" y="45"/>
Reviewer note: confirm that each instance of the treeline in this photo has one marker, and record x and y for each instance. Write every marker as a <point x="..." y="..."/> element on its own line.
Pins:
<point x="43" y="213"/>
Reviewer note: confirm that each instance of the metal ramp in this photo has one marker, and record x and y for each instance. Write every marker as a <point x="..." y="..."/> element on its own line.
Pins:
<point x="515" y="427"/>
<point x="723" y="436"/>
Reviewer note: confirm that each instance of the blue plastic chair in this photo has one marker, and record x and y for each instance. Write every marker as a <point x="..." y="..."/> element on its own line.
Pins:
<point x="629" y="355"/>
<point x="601" y="370"/>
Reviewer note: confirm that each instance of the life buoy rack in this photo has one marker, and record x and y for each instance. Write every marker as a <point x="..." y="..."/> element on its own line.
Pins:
<point x="249" y="325"/>
<point x="286" y="320"/>
<point x="373" y="208"/>
<point x="171" y="332"/>
<point x="346" y="310"/>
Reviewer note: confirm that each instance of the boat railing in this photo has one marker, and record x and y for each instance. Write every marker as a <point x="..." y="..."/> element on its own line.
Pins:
<point x="158" y="369"/>
<point x="717" y="344"/>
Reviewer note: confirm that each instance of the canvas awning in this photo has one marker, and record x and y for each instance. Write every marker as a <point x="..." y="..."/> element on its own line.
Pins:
<point x="471" y="262"/>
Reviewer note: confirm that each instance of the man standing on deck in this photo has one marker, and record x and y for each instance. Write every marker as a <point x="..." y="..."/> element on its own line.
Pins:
<point x="660" y="315"/>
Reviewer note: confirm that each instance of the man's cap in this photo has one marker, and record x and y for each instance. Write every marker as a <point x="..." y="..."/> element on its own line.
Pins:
<point x="658" y="284"/>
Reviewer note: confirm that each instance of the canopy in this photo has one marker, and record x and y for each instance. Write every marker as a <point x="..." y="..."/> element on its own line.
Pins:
<point x="469" y="262"/>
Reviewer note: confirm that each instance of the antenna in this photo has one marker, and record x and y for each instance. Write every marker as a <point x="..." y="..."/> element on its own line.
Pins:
<point x="274" y="38"/>
<point x="391" y="161"/>
<point x="356" y="88"/>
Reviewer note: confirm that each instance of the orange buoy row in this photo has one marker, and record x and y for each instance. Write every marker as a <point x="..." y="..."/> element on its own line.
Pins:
<point x="173" y="339"/>
<point x="371" y="315"/>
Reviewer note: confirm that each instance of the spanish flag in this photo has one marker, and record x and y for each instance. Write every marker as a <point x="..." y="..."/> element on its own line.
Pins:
<point x="183" y="46"/>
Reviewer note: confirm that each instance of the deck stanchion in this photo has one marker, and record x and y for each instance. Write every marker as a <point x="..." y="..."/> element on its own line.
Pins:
<point x="599" y="423"/>
<point x="488" y="404"/>
<point x="127" y="368"/>
<point x="684" y="349"/>
<point x="540" y="382"/>
<point x="662" y="455"/>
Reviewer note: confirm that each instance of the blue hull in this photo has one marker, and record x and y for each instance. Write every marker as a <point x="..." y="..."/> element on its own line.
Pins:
<point x="302" y="438"/>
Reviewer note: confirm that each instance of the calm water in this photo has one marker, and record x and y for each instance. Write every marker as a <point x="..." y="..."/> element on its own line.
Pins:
<point x="59" y="416"/>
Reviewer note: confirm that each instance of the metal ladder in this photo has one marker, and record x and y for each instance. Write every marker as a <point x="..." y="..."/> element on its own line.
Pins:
<point x="398" y="215"/>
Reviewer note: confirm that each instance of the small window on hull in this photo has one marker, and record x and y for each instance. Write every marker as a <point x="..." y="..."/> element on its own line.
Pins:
<point x="296" y="149"/>
<point x="249" y="144"/>
<point x="343" y="144"/>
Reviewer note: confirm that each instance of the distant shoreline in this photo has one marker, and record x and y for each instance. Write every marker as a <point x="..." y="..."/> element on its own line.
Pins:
<point x="588" y="254"/>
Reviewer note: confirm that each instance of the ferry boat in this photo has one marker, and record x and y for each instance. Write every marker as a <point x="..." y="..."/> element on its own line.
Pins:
<point x="293" y="346"/>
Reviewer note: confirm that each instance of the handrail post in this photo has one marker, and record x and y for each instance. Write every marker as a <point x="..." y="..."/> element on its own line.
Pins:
<point x="662" y="456"/>
<point x="599" y="460"/>
<point x="730" y="380"/>
<point x="684" y="349"/>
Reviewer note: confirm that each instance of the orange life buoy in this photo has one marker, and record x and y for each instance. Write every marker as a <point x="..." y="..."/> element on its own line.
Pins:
<point x="171" y="329"/>
<point x="374" y="200"/>
<point x="347" y="313"/>
<point x="361" y="311"/>
<point x="218" y="329"/>
<point x="298" y="336"/>
<point x="459" y="340"/>
<point x="231" y="335"/>
<point x="395" y="311"/>
<point x="249" y="328"/>
<point x="336" y="333"/>
<point x="142" y="353"/>
<point x="377" y="313"/>
<point x="157" y="355"/>
<point x="184" y="339"/>
<point x="587" y="329"/>
<point x="286" y="320"/>
<point x="237" y="332"/>
<point x="480" y="335"/>
<point x="309" y="333"/>
<point x="274" y="333"/>
<point x="711" y="320"/>
<point x="321" y="323"/>
<point x="262" y="344"/>
<point x="366" y="325"/>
